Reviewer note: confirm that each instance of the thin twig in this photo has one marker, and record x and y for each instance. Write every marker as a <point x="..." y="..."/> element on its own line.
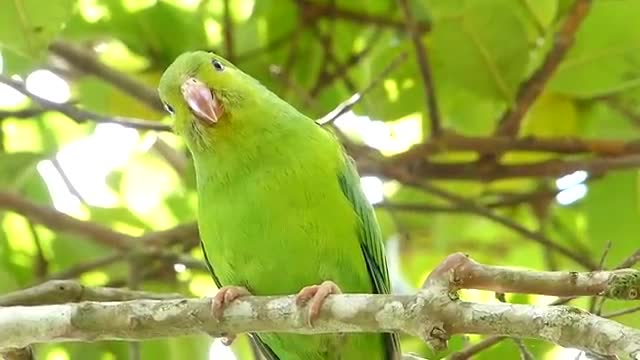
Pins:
<point x="478" y="170"/>
<point x="347" y="105"/>
<point x="326" y="78"/>
<point x="631" y="260"/>
<point x="509" y="124"/>
<point x="228" y="31"/>
<point x="315" y="9"/>
<point x="471" y="350"/>
<point x="41" y="264"/>
<point x="481" y="210"/>
<point x="525" y="354"/>
<point x="271" y="46"/>
<point x="77" y="270"/>
<point x="80" y="115"/>
<point x="422" y="56"/>
<point x="622" y="312"/>
<point x="67" y="182"/>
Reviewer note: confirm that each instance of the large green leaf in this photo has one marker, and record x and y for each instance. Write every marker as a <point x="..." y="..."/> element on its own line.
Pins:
<point x="613" y="215"/>
<point x="605" y="57"/>
<point x="479" y="45"/>
<point x="27" y="26"/>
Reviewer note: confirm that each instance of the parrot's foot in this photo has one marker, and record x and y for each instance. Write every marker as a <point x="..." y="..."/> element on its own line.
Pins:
<point x="222" y="299"/>
<point x="316" y="294"/>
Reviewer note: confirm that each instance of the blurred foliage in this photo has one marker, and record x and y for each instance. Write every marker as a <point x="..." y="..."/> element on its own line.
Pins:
<point x="315" y="57"/>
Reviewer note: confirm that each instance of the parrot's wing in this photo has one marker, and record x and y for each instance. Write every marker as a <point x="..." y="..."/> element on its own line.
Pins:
<point x="210" y="266"/>
<point x="263" y="348"/>
<point x="370" y="241"/>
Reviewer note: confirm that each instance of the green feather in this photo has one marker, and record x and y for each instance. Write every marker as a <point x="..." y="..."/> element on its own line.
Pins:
<point x="280" y="205"/>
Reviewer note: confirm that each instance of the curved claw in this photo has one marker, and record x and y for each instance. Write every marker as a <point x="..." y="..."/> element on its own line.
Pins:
<point x="219" y="302"/>
<point x="225" y="296"/>
<point x="316" y="295"/>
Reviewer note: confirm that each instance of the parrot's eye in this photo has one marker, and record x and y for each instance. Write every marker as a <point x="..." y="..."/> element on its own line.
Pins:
<point x="217" y="65"/>
<point x="168" y="107"/>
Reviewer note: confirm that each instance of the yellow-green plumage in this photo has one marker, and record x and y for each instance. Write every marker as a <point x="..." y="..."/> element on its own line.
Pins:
<point x="280" y="204"/>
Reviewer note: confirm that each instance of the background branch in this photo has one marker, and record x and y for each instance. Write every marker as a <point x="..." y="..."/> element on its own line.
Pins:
<point x="529" y="91"/>
<point x="431" y="102"/>
<point x="80" y="115"/>
<point x="87" y="62"/>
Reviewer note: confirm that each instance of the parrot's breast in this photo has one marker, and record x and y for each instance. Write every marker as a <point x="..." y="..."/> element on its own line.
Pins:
<point x="279" y="221"/>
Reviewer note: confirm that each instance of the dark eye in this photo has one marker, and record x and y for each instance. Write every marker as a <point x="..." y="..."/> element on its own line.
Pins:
<point x="217" y="65"/>
<point x="168" y="107"/>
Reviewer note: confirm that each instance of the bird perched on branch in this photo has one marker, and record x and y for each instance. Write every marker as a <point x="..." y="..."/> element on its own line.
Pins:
<point x="281" y="210"/>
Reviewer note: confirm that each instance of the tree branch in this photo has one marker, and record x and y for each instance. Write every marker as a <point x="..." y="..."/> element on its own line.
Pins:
<point x="348" y="104"/>
<point x="80" y="115"/>
<point x="22" y="114"/>
<point x="471" y="350"/>
<point x="509" y="124"/>
<point x="315" y="10"/>
<point x="483" y="171"/>
<point x="486" y="145"/>
<point x="465" y="273"/>
<point x="426" y="315"/>
<point x="86" y="61"/>
<point x="59" y="221"/>
<point x="459" y="201"/>
<point x="18" y="354"/>
<point x="228" y="31"/>
<point x="431" y="102"/>
<point x="68" y="291"/>
<point x="326" y="78"/>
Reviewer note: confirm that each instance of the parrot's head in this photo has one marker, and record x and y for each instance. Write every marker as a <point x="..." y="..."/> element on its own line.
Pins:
<point x="202" y="91"/>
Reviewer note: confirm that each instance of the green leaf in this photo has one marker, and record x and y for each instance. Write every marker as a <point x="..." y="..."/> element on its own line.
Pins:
<point x="27" y="26"/>
<point x="17" y="167"/>
<point x="615" y="221"/>
<point x="605" y="57"/>
<point x="542" y="11"/>
<point x="13" y="63"/>
<point x="480" y="45"/>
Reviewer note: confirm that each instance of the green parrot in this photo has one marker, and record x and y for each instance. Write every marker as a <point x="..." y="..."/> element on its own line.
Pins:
<point x="281" y="210"/>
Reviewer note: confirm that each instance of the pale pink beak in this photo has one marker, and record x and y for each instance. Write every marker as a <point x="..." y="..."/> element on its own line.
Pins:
<point x="201" y="100"/>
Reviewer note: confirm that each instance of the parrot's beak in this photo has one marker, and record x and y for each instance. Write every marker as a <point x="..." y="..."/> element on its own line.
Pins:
<point x="201" y="100"/>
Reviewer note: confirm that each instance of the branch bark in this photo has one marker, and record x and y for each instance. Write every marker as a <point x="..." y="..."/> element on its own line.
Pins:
<point x="431" y="315"/>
